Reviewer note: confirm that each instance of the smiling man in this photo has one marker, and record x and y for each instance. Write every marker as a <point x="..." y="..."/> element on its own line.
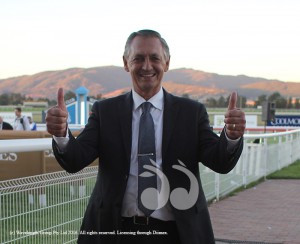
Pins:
<point x="146" y="59"/>
<point x="149" y="144"/>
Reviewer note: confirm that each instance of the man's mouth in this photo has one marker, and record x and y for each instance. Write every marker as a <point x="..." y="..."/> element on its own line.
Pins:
<point x="147" y="75"/>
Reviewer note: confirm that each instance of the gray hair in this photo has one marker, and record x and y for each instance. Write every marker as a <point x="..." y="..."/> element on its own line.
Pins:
<point x="146" y="33"/>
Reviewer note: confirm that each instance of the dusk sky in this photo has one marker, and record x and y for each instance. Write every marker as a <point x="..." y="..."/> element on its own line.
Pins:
<point x="259" y="38"/>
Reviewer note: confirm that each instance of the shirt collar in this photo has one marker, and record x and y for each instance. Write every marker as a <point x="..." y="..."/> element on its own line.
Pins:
<point x="157" y="100"/>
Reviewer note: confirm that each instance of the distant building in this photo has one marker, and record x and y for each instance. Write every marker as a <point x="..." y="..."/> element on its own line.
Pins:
<point x="35" y="104"/>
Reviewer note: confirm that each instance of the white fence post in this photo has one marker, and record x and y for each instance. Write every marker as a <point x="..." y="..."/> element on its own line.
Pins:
<point x="245" y="162"/>
<point x="278" y="153"/>
<point x="217" y="186"/>
<point x="265" y="151"/>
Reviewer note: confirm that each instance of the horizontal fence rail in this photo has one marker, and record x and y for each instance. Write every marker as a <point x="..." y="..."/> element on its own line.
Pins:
<point x="48" y="208"/>
<point x="25" y="145"/>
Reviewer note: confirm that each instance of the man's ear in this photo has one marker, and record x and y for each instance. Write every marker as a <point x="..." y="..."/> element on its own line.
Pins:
<point x="167" y="65"/>
<point x="125" y="64"/>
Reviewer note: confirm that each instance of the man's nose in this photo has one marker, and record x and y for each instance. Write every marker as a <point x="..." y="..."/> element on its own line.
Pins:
<point x="147" y="64"/>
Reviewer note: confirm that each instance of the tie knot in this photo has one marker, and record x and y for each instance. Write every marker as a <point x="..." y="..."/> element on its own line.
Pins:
<point x="146" y="107"/>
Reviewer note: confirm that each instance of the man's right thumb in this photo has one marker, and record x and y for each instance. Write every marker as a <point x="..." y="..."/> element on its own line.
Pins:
<point x="60" y="99"/>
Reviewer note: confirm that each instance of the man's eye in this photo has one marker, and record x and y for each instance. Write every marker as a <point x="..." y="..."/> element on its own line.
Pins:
<point x="137" y="59"/>
<point x="155" y="58"/>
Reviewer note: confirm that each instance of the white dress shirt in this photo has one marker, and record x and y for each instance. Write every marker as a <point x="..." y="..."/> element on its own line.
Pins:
<point x="21" y="126"/>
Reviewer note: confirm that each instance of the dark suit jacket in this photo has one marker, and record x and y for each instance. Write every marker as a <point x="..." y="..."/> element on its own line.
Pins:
<point x="6" y="126"/>
<point x="187" y="136"/>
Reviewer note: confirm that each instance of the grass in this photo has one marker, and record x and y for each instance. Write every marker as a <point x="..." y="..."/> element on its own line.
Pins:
<point x="290" y="172"/>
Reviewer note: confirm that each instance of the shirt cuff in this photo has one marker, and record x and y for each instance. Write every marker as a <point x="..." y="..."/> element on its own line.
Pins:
<point x="231" y="145"/>
<point x="62" y="142"/>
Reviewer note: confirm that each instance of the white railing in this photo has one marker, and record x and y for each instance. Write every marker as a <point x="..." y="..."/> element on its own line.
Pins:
<point x="25" y="145"/>
<point x="45" y="208"/>
<point x="272" y="152"/>
<point x="49" y="208"/>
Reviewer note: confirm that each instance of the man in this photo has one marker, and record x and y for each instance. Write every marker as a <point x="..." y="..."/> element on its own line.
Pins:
<point x="182" y="138"/>
<point x="32" y="124"/>
<point x="21" y="122"/>
<point x="4" y="125"/>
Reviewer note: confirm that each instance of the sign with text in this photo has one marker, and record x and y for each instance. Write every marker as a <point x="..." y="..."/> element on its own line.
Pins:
<point x="251" y="121"/>
<point x="285" y="120"/>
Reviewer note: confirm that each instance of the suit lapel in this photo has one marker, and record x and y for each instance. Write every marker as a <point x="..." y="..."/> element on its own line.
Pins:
<point x="125" y="119"/>
<point x="169" y="120"/>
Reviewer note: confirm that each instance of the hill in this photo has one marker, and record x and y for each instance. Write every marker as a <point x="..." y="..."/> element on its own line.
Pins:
<point x="113" y="80"/>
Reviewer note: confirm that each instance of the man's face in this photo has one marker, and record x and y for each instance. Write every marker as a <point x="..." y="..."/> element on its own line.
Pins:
<point x="17" y="113"/>
<point x="146" y="64"/>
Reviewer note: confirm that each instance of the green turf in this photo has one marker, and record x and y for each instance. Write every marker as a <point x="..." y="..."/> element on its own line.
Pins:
<point x="290" y="172"/>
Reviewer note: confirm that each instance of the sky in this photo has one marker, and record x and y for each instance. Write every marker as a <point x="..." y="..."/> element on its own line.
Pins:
<point x="258" y="38"/>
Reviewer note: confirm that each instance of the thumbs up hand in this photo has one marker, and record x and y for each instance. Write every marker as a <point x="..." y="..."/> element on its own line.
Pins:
<point x="57" y="116"/>
<point x="235" y="121"/>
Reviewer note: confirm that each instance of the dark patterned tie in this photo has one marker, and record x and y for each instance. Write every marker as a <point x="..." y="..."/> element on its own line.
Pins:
<point x="146" y="151"/>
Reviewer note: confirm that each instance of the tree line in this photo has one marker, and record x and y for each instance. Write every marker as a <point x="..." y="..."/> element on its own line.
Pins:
<point x="18" y="98"/>
<point x="279" y="100"/>
<point x="221" y="102"/>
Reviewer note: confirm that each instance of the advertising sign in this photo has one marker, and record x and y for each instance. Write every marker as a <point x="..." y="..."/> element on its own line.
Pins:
<point x="251" y="121"/>
<point x="72" y="113"/>
<point x="285" y="120"/>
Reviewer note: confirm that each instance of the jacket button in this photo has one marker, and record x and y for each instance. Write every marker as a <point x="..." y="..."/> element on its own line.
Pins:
<point x="125" y="177"/>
